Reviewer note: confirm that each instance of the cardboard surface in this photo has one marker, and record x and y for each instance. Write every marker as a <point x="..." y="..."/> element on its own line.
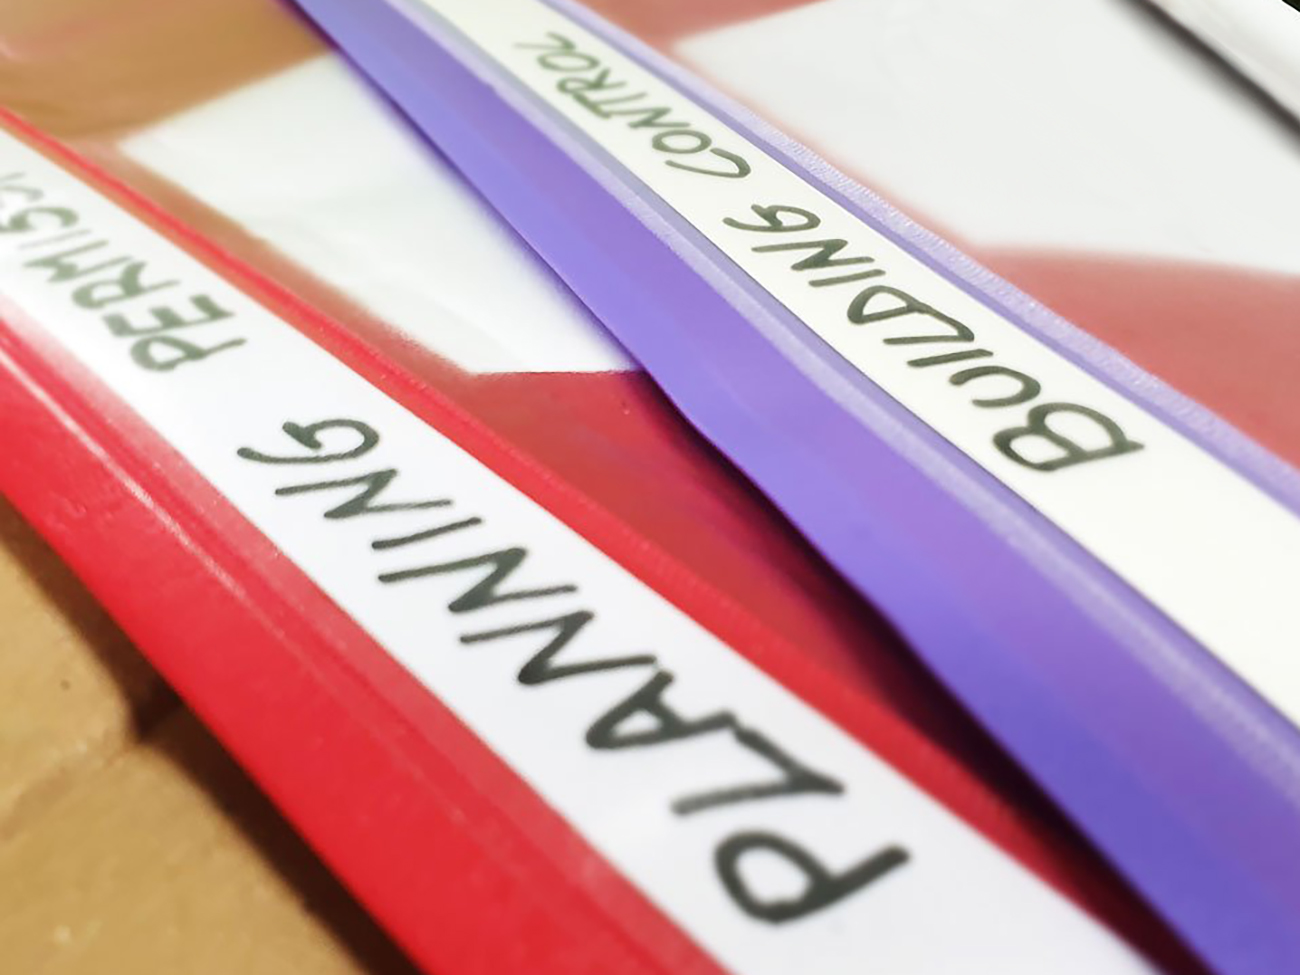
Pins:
<point x="128" y="840"/>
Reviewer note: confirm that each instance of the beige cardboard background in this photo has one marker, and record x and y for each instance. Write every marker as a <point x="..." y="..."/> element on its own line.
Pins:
<point x="129" y="841"/>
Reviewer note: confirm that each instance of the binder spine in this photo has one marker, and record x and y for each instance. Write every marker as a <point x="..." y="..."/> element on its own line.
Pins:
<point x="1176" y="767"/>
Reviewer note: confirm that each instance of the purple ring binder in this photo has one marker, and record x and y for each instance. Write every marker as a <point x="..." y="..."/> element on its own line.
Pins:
<point x="1181" y="774"/>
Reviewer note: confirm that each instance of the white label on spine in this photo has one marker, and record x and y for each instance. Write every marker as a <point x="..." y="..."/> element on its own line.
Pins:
<point x="653" y="739"/>
<point x="1212" y="550"/>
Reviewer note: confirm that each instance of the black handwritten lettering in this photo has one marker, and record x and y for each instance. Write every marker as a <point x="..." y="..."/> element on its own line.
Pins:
<point x="607" y="731"/>
<point x="567" y="61"/>
<point x="309" y="436"/>
<point x="739" y="167"/>
<point x="1067" y="452"/>
<point x="124" y="286"/>
<point x="796" y="778"/>
<point x="859" y="314"/>
<point x="372" y="486"/>
<point x="29" y="193"/>
<point x="541" y="667"/>
<point x="558" y="42"/>
<point x="599" y="106"/>
<point x="99" y="278"/>
<point x="25" y="221"/>
<point x="948" y="358"/>
<point x="166" y="352"/>
<point x="643" y="719"/>
<point x="165" y="318"/>
<point x="1029" y="386"/>
<point x="583" y="90"/>
<point x="824" y="258"/>
<point x="879" y="303"/>
<point x="163" y="353"/>
<point x="59" y="238"/>
<point x="671" y="136"/>
<point x="382" y="544"/>
<point x="822" y="887"/>
<point x="671" y="141"/>
<point x="63" y="268"/>
<point x="485" y="592"/>
<point x="773" y="220"/>
<point x="647" y="118"/>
